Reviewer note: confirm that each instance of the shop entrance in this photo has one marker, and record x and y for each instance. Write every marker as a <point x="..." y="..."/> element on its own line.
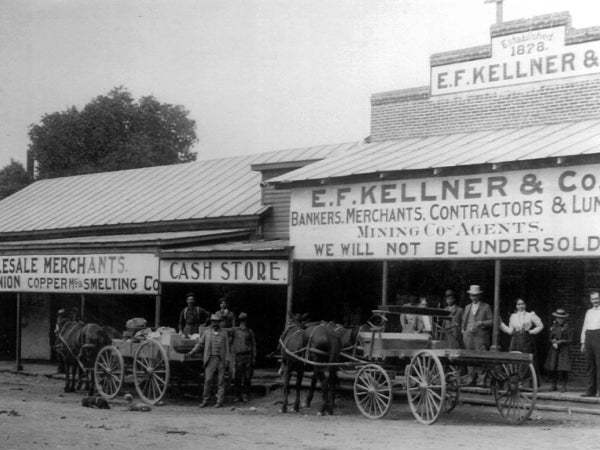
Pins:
<point x="8" y="325"/>
<point x="264" y="304"/>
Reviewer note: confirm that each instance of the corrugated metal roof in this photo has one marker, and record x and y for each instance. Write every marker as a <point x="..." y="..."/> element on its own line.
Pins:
<point x="242" y="248"/>
<point x="163" y="238"/>
<point x="464" y="149"/>
<point x="215" y="188"/>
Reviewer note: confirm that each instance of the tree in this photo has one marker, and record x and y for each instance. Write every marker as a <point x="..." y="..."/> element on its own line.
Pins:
<point x="13" y="177"/>
<point x="112" y="132"/>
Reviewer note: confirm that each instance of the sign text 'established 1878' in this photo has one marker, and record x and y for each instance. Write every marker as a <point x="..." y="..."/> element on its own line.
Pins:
<point x="538" y="213"/>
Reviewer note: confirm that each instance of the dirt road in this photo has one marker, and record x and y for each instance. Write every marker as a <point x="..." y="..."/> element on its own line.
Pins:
<point x="35" y="414"/>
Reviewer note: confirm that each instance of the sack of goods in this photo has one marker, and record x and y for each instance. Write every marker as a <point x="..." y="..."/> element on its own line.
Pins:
<point x="136" y="324"/>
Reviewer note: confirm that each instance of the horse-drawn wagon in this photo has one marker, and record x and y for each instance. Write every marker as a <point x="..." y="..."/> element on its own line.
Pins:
<point x="149" y="361"/>
<point x="386" y="362"/>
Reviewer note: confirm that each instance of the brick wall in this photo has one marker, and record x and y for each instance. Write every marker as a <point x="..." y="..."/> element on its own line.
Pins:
<point x="413" y="113"/>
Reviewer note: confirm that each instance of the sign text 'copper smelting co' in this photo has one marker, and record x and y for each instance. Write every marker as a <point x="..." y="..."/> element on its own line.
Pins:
<point x="230" y="271"/>
<point x="124" y="273"/>
<point x="538" y="213"/>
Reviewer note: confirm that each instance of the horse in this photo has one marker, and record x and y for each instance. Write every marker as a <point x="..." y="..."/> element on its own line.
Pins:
<point x="292" y="340"/>
<point x="79" y="344"/>
<point x="348" y="338"/>
<point x="320" y="348"/>
<point x="83" y="376"/>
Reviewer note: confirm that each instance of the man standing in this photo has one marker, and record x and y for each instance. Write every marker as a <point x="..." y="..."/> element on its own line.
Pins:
<point x="410" y="322"/>
<point x="227" y="316"/>
<point x="453" y="326"/>
<point x="243" y="355"/>
<point x="590" y="345"/>
<point x="476" y="321"/>
<point x="192" y="316"/>
<point x="214" y="342"/>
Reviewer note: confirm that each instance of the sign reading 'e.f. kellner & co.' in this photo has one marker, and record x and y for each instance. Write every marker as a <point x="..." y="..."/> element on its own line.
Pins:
<point x="519" y="58"/>
<point x="539" y="213"/>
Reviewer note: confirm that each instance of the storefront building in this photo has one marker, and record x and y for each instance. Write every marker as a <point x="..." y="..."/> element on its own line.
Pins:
<point x="94" y="243"/>
<point x="490" y="175"/>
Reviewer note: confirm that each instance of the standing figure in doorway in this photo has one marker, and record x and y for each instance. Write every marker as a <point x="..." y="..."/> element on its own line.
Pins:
<point x="522" y="326"/>
<point x="453" y="326"/>
<point x="243" y="358"/>
<point x="225" y="313"/>
<point x="409" y="322"/>
<point x="476" y="323"/>
<point x="558" y="362"/>
<point x="192" y="316"/>
<point x="590" y="345"/>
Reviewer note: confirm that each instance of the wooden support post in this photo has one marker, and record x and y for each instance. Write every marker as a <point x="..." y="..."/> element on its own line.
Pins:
<point x="384" y="283"/>
<point x="18" y="346"/>
<point x="157" y="306"/>
<point x="495" y="325"/>
<point x="82" y="307"/>
<point x="290" y="292"/>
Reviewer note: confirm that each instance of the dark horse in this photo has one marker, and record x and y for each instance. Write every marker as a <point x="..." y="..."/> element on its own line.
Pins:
<point x="79" y="344"/>
<point x="317" y="346"/>
<point x="348" y="338"/>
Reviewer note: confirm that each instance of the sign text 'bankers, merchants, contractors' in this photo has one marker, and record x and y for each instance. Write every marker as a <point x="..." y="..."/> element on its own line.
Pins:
<point x="539" y="213"/>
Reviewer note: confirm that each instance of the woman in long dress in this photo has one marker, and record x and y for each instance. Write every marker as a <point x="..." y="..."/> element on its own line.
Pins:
<point x="558" y="362"/>
<point x="522" y="326"/>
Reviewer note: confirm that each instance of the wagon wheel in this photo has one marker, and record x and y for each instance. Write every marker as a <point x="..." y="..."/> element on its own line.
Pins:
<point x="151" y="371"/>
<point x="109" y="372"/>
<point x="373" y="391"/>
<point x="452" y="388"/>
<point x="426" y="387"/>
<point x="508" y="383"/>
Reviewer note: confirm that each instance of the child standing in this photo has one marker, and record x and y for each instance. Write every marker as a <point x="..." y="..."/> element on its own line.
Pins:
<point x="558" y="362"/>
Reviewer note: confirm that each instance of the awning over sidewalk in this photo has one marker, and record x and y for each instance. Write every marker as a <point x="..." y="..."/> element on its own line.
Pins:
<point x="120" y="241"/>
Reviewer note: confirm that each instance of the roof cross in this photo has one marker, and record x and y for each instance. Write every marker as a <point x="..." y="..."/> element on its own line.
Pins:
<point x="499" y="4"/>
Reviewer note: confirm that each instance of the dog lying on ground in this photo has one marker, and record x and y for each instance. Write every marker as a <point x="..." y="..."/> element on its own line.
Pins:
<point x="95" y="402"/>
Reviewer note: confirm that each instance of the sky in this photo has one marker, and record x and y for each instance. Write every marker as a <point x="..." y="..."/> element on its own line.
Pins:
<point x="255" y="75"/>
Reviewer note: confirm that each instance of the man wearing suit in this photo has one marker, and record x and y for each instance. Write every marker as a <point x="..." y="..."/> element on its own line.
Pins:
<point x="453" y="326"/>
<point x="476" y="323"/>
<point x="214" y="342"/>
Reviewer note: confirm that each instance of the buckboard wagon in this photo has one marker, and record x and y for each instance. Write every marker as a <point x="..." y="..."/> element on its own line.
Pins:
<point x="386" y="362"/>
<point x="431" y="373"/>
<point x="150" y="362"/>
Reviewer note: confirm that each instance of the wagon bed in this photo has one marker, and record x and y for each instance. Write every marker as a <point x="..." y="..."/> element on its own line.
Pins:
<point x="430" y="372"/>
<point x="148" y="361"/>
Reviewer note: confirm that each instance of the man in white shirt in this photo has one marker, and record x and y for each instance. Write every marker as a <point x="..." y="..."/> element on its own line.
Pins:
<point x="590" y="345"/>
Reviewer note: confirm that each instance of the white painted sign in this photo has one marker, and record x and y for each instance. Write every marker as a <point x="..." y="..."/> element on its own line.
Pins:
<point x="525" y="214"/>
<point x="519" y="58"/>
<point x="115" y="273"/>
<point x="228" y="271"/>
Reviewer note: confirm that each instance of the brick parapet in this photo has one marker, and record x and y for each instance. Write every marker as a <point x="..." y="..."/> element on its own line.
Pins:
<point x="413" y="113"/>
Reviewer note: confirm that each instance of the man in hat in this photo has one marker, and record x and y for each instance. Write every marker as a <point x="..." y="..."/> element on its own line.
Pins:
<point x="453" y="326"/>
<point x="476" y="323"/>
<point x="243" y="355"/>
<point x="61" y="319"/>
<point x="214" y="342"/>
<point x="192" y="316"/>
<point x="226" y="314"/>
<point x="590" y="345"/>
